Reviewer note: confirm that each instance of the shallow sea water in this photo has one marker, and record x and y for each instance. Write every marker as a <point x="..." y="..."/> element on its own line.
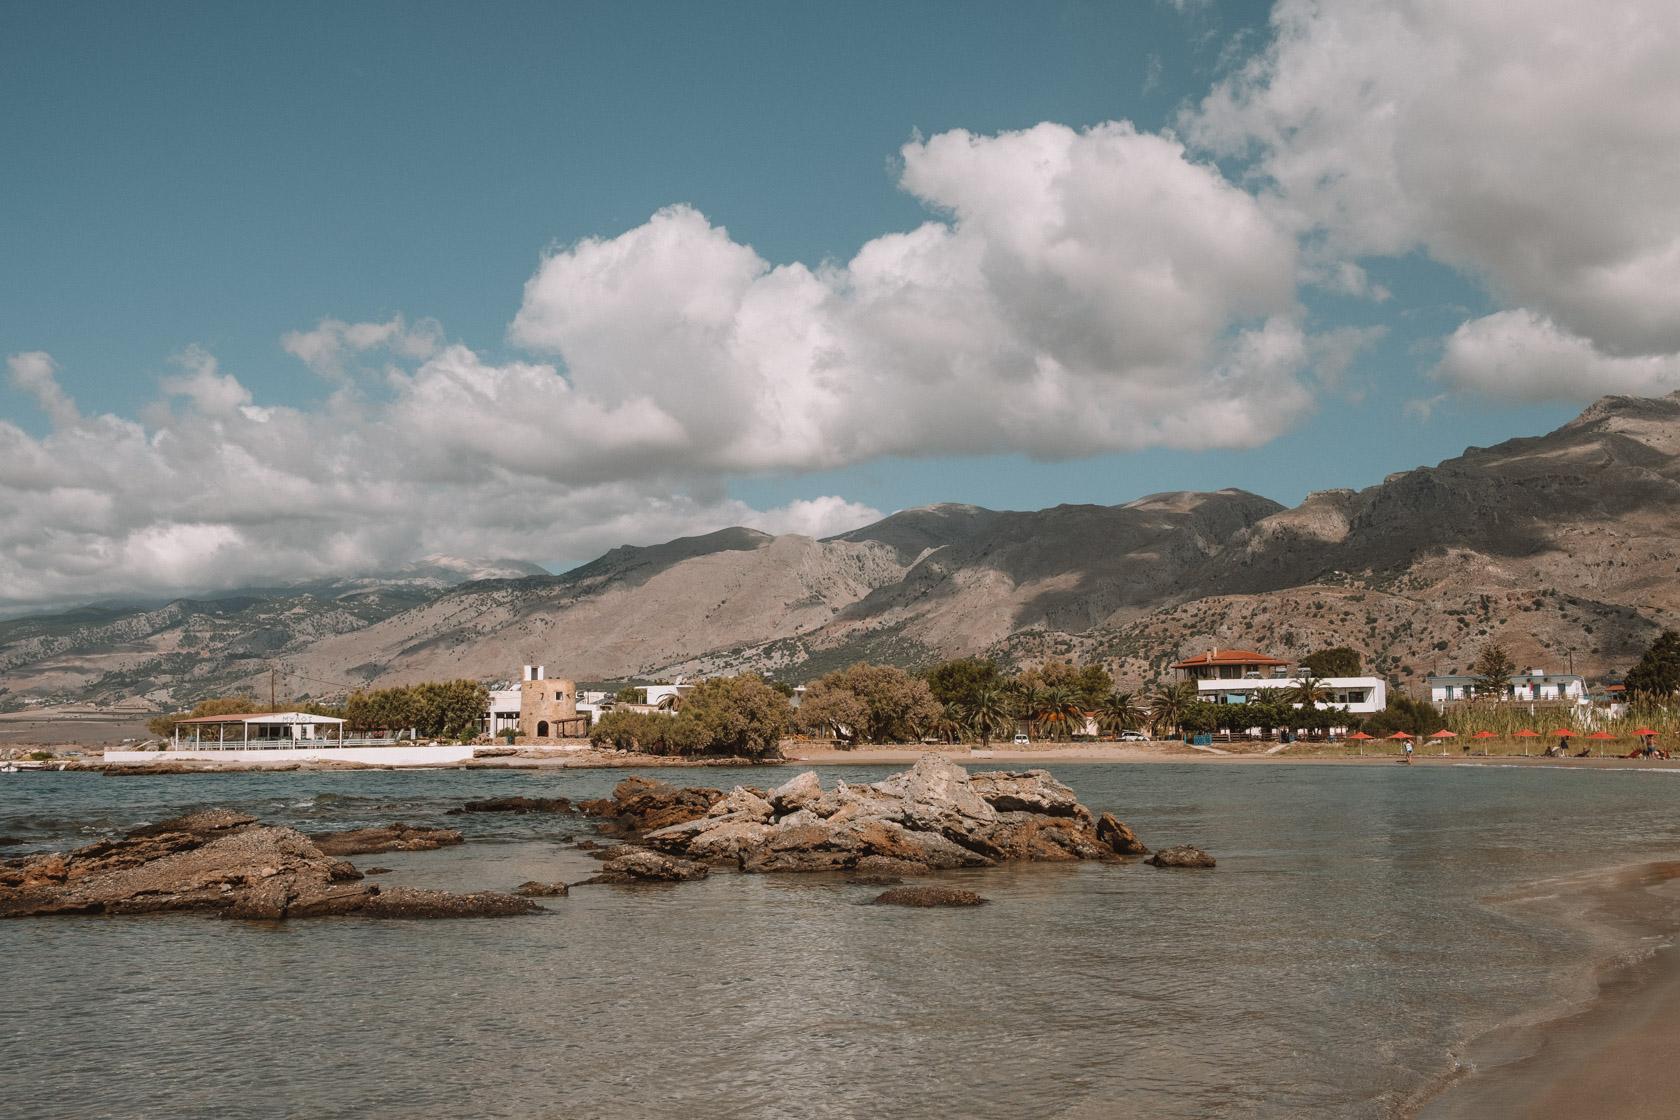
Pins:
<point x="1356" y="934"/>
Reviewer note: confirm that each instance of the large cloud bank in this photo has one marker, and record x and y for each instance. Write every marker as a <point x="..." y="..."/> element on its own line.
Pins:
<point x="1078" y="292"/>
<point x="1533" y="144"/>
<point x="1073" y="292"/>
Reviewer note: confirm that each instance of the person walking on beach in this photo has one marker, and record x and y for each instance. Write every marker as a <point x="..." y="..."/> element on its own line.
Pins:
<point x="1408" y="752"/>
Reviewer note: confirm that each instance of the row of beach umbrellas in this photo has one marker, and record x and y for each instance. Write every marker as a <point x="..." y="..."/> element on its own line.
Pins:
<point x="1563" y="732"/>
<point x="1525" y="733"/>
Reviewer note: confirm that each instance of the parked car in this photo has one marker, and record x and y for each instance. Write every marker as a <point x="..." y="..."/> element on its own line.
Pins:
<point x="1130" y="736"/>
<point x="1021" y="739"/>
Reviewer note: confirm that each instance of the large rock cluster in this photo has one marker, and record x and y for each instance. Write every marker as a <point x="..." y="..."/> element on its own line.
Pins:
<point x="226" y="862"/>
<point x="932" y="817"/>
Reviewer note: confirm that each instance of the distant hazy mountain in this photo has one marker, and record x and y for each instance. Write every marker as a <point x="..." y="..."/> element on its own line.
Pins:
<point x="1563" y="547"/>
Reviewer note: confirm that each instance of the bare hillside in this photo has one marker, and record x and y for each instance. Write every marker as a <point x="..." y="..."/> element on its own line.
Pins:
<point x="1563" y="547"/>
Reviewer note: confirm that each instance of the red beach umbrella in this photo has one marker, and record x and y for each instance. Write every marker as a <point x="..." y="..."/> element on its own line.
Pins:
<point x="1525" y="733"/>
<point x="1644" y="731"/>
<point x="1361" y="735"/>
<point x="1601" y="735"/>
<point x="1445" y="735"/>
<point x="1399" y="735"/>
<point x="1565" y="732"/>
<point x="1484" y="735"/>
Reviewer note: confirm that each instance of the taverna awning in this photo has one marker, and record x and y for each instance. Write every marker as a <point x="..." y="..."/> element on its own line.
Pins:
<point x="263" y="717"/>
<point x="259" y="727"/>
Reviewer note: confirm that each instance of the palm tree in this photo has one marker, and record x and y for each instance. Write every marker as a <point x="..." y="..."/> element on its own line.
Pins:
<point x="1309" y="692"/>
<point x="1059" y="708"/>
<point x="1120" y="711"/>
<point x="952" y="723"/>
<point x="990" y="712"/>
<point x="1169" y="704"/>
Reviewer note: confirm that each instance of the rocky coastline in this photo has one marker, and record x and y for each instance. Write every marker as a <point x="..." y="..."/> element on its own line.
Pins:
<point x="233" y="865"/>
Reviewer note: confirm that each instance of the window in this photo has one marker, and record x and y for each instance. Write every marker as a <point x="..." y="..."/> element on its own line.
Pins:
<point x="559" y="695"/>
<point x="1230" y="672"/>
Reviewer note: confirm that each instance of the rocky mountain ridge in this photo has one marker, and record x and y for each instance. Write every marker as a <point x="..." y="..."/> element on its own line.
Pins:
<point x="1563" y="547"/>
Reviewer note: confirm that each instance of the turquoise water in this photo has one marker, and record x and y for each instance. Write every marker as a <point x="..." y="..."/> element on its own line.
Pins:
<point x="1334" y="965"/>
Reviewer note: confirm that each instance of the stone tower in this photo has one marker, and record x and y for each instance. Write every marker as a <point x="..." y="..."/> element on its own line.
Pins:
<point x="548" y="706"/>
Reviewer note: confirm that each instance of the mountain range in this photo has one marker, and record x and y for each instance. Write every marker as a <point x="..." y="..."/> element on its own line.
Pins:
<point x="1561" y="547"/>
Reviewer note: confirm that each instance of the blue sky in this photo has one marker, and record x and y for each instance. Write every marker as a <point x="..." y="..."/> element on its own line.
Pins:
<point x="190" y="184"/>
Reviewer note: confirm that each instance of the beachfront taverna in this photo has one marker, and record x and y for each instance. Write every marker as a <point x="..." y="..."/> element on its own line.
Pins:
<point x="1237" y="676"/>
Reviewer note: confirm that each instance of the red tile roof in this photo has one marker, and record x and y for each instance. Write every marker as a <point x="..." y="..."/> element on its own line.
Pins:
<point x="1228" y="657"/>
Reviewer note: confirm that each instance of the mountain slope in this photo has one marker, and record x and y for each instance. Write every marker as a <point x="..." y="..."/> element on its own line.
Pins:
<point x="1563" y="547"/>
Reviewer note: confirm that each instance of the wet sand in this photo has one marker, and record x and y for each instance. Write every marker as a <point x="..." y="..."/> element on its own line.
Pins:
<point x="1608" y="1057"/>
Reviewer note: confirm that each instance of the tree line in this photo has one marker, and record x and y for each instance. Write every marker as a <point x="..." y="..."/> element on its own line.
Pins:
<point x="433" y="710"/>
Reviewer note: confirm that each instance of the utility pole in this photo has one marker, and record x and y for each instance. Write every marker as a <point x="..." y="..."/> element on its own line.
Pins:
<point x="271" y="688"/>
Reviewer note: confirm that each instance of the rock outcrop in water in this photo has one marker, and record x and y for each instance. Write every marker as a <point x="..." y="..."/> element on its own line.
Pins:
<point x="1182" y="856"/>
<point x="221" y="861"/>
<point x="928" y="896"/>
<point x="932" y="817"/>
<point x="515" y="805"/>
<point x="385" y="838"/>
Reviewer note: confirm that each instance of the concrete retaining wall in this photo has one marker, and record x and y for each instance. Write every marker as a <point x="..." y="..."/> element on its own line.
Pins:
<point x="373" y="756"/>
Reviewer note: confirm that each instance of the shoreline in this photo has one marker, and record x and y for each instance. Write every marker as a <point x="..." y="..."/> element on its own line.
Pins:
<point x="1602" y="1053"/>
<point x="813" y="754"/>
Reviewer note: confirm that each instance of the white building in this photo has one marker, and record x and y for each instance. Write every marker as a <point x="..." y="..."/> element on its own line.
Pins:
<point x="1359" y="695"/>
<point x="1535" y="684"/>
<point x="504" y="708"/>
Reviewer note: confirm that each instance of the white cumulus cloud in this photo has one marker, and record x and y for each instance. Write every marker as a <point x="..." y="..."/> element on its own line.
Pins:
<point x="1520" y="354"/>
<point x="1073" y="292"/>
<point x="1533" y="144"/>
<point x="1080" y="292"/>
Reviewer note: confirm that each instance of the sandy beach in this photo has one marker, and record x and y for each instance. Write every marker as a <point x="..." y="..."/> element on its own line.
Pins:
<point x="1608" y="1056"/>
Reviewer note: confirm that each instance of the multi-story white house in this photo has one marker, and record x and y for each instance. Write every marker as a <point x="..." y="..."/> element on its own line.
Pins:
<point x="1236" y="676"/>
<point x="1535" y="684"/>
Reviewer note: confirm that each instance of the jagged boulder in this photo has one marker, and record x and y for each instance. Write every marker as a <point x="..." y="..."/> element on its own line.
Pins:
<point x="386" y="838"/>
<point x="938" y="797"/>
<point x="819" y="845"/>
<point x="1117" y="836"/>
<point x="1031" y="791"/>
<point x="794" y="793"/>
<point x="641" y="805"/>
<point x="742" y="804"/>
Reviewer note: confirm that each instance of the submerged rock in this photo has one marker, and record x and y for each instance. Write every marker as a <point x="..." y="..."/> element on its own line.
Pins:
<point x="225" y="862"/>
<point x="515" y="805"/>
<point x="534" y="889"/>
<point x="928" y="896"/>
<point x="387" y="838"/>
<point x="1182" y="856"/>
<point x="638" y="865"/>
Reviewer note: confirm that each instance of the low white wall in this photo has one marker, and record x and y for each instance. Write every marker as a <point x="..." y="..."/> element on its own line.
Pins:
<point x="373" y="756"/>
